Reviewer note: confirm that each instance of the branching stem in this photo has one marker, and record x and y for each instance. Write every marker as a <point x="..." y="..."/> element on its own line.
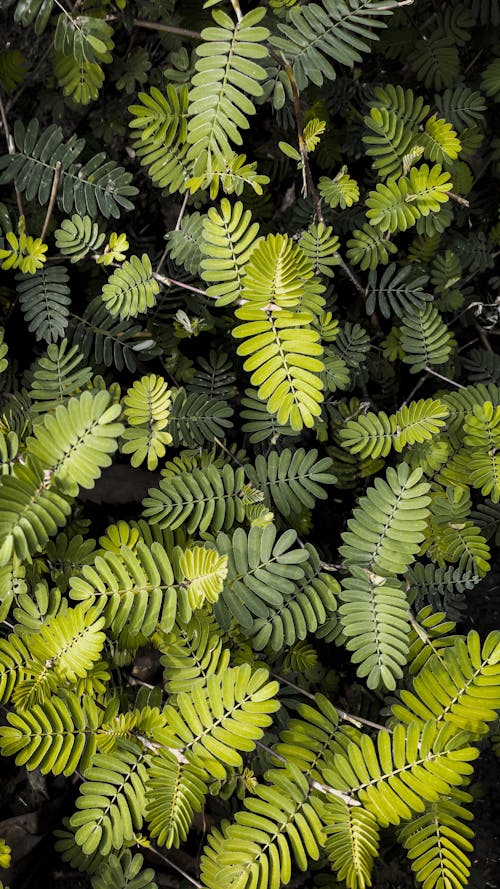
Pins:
<point x="52" y="199"/>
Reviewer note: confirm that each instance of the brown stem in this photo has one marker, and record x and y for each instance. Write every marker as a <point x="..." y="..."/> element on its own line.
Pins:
<point x="11" y="149"/>
<point x="308" y="179"/>
<point x="442" y="377"/>
<point x="52" y="199"/>
<point x="176" y="867"/>
<point x="459" y="199"/>
<point x="177" y="227"/>
<point x="170" y="29"/>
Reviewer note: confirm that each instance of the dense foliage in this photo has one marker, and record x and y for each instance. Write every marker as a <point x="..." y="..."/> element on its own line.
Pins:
<point x="250" y="252"/>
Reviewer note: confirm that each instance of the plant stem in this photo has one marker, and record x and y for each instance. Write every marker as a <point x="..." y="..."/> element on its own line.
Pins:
<point x="176" y="867"/>
<point x="236" y="6"/>
<point x="442" y="377"/>
<point x="52" y="199"/>
<point x="459" y="199"/>
<point x="159" y="26"/>
<point x="177" y="227"/>
<point x="317" y="785"/>
<point x="358" y="721"/>
<point x="11" y="149"/>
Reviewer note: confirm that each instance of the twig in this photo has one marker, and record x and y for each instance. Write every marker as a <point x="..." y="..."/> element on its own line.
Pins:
<point x="308" y="181"/>
<point x="52" y="199"/>
<point x="228" y="452"/>
<point x="177" y="227"/>
<point x="358" y="721"/>
<point x="169" y="281"/>
<point x="442" y="377"/>
<point x="459" y="199"/>
<point x="317" y="785"/>
<point x="11" y="150"/>
<point x="159" y="26"/>
<point x="236" y="6"/>
<point x="415" y="389"/>
<point x="482" y="336"/>
<point x="308" y="178"/>
<point x="176" y="867"/>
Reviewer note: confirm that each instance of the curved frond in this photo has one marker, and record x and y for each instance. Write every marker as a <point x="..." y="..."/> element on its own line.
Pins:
<point x="292" y="480"/>
<point x="278" y="829"/>
<point x="425" y="339"/>
<point x="200" y="499"/>
<point x="375" y="620"/>
<point x="175" y="791"/>
<point x="99" y="186"/>
<point x="394" y="775"/>
<point x="229" y="239"/>
<point x="386" y="530"/>
<point x="262" y="570"/>
<point x="316" y="36"/>
<point x="56" y="736"/>
<point x="460" y="684"/>
<point x="227" y="73"/>
<point x="44" y="300"/>
<point x="132" y="289"/>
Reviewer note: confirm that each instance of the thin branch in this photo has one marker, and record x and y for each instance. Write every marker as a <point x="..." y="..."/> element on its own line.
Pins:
<point x="228" y="452"/>
<point x="177" y="227"/>
<point x="169" y="281"/>
<point x="317" y="785"/>
<point x="236" y="6"/>
<point x="483" y="337"/>
<point x="308" y="178"/>
<point x="442" y="377"/>
<point x="176" y="867"/>
<point x="11" y="149"/>
<point x="459" y="199"/>
<point x="52" y="199"/>
<point x="306" y="169"/>
<point x="159" y="26"/>
<point x="358" y="721"/>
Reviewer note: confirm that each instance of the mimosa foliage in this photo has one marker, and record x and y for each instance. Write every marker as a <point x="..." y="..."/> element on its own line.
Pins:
<point x="250" y="436"/>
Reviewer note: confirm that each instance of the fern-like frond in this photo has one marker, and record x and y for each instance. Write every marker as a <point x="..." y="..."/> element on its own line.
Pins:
<point x="202" y="499"/>
<point x="77" y="236"/>
<point x="44" y="300"/>
<point x="352" y="841"/>
<point x="229" y="239"/>
<point x="310" y="608"/>
<point x="368" y="248"/>
<point x="425" y="339"/>
<point x="316" y="36"/>
<point x="278" y="829"/>
<point x="55" y="736"/>
<point x="112" y="801"/>
<point x="386" y="530"/>
<point x="321" y="246"/>
<point x="57" y="376"/>
<point x="462" y="106"/>
<point x="373" y="435"/>
<point x="108" y="340"/>
<point x="284" y="356"/>
<point x="398" y="291"/>
<point x="375" y="621"/>
<point x="161" y="120"/>
<point x="438" y="843"/>
<point x="99" y="186"/>
<point x="227" y="73"/>
<point x="196" y="419"/>
<point x="131" y="289"/>
<point x="75" y="442"/>
<point x="398" y="204"/>
<point x="394" y="775"/>
<point x="175" y="791"/>
<point x="124" y="872"/>
<point x="278" y="275"/>
<point x="262" y="570"/>
<point x="291" y="480"/>
<point x="389" y="139"/>
<point x="192" y="652"/>
<point x="460" y="685"/>
<point x="212" y="723"/>
<point x="31" y="512"/>
<point x="184" y="242"/>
